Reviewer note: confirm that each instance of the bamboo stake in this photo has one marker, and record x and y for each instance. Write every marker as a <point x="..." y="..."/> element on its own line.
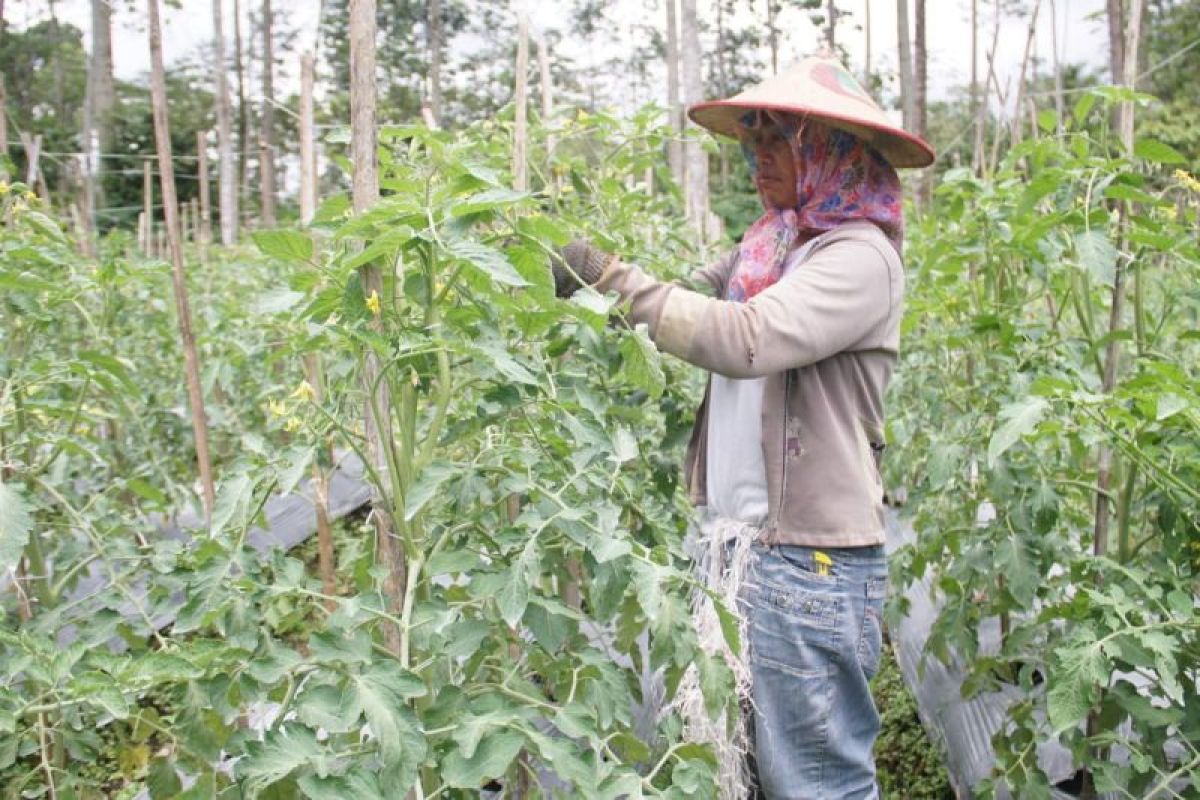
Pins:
<point x="205" y="217"/>
<point x="148" y="207"/>
<point x="308" y="159"/>
<point x="33" y="151"/>
<point x="227" y="180"/>
<point x="520" y="126"/>
<point x="365" y="191"/>
<point x="3" y="126"/>
<point x="158" y="92"/>
<point x="1112" y="355"/>
<point x="1017" y="110"/>
<point x="547" y="89"/>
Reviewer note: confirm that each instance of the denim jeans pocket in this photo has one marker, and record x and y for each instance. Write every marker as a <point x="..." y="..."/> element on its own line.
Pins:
<point x="804" y="564"/>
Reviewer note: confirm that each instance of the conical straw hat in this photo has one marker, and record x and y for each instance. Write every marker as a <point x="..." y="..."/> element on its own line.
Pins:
<point x="820" y="88"/>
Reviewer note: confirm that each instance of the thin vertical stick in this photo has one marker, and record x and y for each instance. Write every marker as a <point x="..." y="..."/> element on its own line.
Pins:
<point x="547" y="88"/>
<point x="867" y="44"/>
<point x="520" y="97"/>
<point x="162" y="136"/>
<point x="1017" y="110"/>
<point x="365" y="191"/>
<point x="1059" y="110"/>
<point x="266" y="166"/>
<point x="205" y="220"/>
<point x="148" y="205"/>
<point x="308" y="161"/>
<point x="3" y="123"/>
<point x="33" y="152"/>
<point x="674" y="119"/>
<point x="227" y="184"/>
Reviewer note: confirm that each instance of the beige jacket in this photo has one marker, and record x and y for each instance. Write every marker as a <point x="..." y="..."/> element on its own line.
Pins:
<point x="826" y="338"/>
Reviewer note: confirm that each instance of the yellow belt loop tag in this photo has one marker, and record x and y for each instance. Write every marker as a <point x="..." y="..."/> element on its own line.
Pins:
<point x="824" y="562"/>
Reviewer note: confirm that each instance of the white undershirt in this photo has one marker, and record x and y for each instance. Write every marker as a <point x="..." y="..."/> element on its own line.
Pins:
<point x="736" y="474"/>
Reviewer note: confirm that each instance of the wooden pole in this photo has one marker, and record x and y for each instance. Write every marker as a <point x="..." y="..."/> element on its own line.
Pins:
<point x="867" y="44"/>
<point x="227" y="182"/>
<point x="547" y="89"/>
<point x="520" y="126"/>
<point x="674" y="118"/>
<point x="904" y="46"/>
<point x="162" y="137"/>
<point x="204" y="220"/>
<point x="434" y="26"/>
<point x="148" y="206"/>
<point x="308" y="159"/>
<point x="33" y="151"/>
<point x="364" y="193"/>
<point x="3" y="124"/>
<point x="266" y="163"/>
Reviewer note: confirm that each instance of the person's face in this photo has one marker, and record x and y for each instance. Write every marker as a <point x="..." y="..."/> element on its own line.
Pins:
<point x="776" y="174"/>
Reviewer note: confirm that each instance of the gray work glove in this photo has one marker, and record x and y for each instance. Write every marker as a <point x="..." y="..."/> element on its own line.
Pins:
<point x="579" y="258"/>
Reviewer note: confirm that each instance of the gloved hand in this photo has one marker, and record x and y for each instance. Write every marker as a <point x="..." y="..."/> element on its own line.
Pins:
<point x="579" y="258"/>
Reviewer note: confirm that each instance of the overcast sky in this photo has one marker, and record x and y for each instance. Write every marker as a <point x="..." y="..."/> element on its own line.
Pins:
<point x="1081" y="33"/>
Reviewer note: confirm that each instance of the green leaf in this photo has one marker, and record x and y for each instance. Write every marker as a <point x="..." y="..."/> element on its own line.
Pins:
<point x="357" y="785"/>
<point x="716" y="683"/>
<point x="488" y="201"/>
<point x="381" y="692"/>
<point x="321" y="707"/>
<point x="488" y="260"/>
<point x="1021" y="418"/>
<point x="506" y="365"/>
<point x="1071" y="687"/>
<point x="642" y="363"/>
<point x="513" y="597"/>
<point x="426" y="487"/>
<point x="276" y="301"/>
<point x="162" y="780"/>
<point x="1161" y="153"/>
<point x="286" y="245"/>
<point x="283" y="750"/>
<point x="15" y="525"/>
<point x="490" y="760"/>
<point x="1097" y="255"/>
<point x="233" y="503"/>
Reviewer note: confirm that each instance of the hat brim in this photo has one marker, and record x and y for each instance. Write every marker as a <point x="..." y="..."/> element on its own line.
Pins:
<point x="899" y="147"/>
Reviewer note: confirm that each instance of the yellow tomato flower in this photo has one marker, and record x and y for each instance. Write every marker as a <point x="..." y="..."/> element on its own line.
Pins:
<point x="374" y="304"/>
<point x="277" y="407"/>
<point x="19" y="207"/>
<point x="30" y="197"/>
<point x="1187" y="181"/>
<point x="292" y="425"/>
<point x="3" y="188"/>
<point x="1171" y="213"/>
<point x="304" y="391"/>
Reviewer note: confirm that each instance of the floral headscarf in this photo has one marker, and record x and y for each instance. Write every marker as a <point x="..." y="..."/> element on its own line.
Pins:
<point x="838" y="178"/>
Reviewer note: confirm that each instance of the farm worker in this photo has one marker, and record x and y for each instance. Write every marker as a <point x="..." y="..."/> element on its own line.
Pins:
<point x="800" y="339"/>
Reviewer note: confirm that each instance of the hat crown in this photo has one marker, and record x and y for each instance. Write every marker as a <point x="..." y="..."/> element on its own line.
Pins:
<point x="820" y="87"/>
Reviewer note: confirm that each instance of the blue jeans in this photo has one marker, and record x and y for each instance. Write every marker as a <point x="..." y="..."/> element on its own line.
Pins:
<point x="815" y="639"/>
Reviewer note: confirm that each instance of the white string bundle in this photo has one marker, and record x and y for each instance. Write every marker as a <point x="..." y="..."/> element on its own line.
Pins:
<point x="722" y="552"/>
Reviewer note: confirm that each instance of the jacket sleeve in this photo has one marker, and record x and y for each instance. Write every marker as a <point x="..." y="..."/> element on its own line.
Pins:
<point x="841" y="298"/>
<point x="717" y="274"/>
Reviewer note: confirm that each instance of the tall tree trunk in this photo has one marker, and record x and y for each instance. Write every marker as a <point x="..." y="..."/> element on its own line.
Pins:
<point x="308" y="150"/>
<point x="434" y="23"/>
<point x="674" y="118"/>
<point x="773" y="35"/>
<point x="3" y="115"/>
<point x="243" y="122"/>
<point x="1112" y="355"/>
<point x="1059" y="104"/>
<point x="1116" y="38"/>
<point x="267" y="145"/>
<point x="364" y="192"/>
<point x="920" y="93"/>
<point x="162" y="138"/>
<point x="866" y="81"/>
<point x="547" y="92"/>
<point x="907" y="93"/>
<point x="204" y="209"/>
<point x="831" y="28"/>
<point x="520" y="165"/>
<point x="98" y="110"/>
<point x="227" y="185"/>
<point x="696" y="159"/>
